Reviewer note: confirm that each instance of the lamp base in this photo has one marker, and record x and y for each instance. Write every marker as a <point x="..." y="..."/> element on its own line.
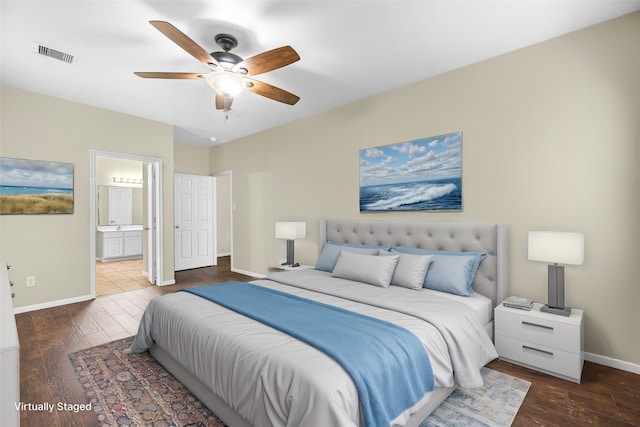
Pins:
<point x="295" y="264"/>
<point x="564" y="311"/>
<point x="290" y="249"/>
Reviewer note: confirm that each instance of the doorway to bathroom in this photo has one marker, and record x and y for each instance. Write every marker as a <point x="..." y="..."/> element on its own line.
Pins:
<point x="125" y="222"/>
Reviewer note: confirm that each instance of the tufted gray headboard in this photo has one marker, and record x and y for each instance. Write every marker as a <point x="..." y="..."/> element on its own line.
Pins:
<point x="492" y="239"/>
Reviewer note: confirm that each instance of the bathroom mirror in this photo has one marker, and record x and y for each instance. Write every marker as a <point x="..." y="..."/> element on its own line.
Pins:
<point x="119" y="205"/>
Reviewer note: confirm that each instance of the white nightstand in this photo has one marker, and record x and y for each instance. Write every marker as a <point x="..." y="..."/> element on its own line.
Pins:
<point x="541" y="341"/>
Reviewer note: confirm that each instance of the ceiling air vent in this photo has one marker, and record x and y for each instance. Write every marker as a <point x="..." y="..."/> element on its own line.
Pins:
<point x="41" y="49"/>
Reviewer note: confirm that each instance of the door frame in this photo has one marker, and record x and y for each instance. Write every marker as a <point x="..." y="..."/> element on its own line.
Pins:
<point x="228" y="173"/>
<point x="155" y="235"/>
<point x="153" y="207"/>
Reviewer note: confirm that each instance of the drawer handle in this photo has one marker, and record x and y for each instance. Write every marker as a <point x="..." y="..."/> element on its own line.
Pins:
<point x="537" y="350"/>
<point x="525" y="323"/>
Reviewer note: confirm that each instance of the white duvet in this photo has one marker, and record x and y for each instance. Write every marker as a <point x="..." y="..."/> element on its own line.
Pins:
<point x="272" y="379"/>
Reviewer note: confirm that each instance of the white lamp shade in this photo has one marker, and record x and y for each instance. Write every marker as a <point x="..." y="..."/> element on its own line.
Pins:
<point x="291" y="230"/>
<point x="556" y="247"/>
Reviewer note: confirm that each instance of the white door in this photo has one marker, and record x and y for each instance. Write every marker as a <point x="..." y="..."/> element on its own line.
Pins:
<point x="193" y="215"/>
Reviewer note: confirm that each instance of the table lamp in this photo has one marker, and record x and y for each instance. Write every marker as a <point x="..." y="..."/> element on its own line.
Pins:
<point x="557" y="248"/>
<point x="290" y="230"/>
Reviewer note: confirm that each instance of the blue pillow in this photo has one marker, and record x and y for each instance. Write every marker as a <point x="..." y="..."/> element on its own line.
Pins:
<point x="331" y="251"/>
<point x="451" y="272"/>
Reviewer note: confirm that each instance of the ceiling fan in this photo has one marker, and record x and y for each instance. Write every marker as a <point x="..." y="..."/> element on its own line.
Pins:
<point x="229" y="74"/>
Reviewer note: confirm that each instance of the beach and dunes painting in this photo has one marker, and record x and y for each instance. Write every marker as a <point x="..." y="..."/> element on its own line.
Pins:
<point x="424" y="174"/>
<point x="35" y="187"/>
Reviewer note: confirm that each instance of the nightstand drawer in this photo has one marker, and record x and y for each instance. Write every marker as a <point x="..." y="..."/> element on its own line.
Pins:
<point x="526" y="326"/>
<point x="539" y="357"/>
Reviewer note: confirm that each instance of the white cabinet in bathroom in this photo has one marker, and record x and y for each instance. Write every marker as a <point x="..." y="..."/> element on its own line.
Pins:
<point x="132" y="243"/>
<point x="110" y="244"/>
<point x="119" y="242"/>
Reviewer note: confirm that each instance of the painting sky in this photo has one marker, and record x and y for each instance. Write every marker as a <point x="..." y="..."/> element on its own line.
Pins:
<point x="426" y="159"/>
<point x="34" y="173"/>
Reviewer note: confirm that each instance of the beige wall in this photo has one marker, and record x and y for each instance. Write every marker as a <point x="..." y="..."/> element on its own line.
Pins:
<point x="191" y="159"/>
<point x="55" y="248"/>
<point x="550" y="142"/>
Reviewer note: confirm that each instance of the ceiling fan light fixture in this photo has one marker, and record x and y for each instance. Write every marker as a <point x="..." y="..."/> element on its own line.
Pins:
<point x="229" y="74"/>
<point x="226" y="83"/>
<point x="226" y="59"/>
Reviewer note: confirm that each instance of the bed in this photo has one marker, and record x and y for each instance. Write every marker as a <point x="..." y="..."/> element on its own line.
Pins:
<point x="269" y="378"/>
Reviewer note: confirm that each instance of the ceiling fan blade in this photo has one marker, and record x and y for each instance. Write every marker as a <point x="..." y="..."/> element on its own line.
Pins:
<point x="272" y="92"/>
<point x="160" y="75"/>
<point x="268" y="61"/>
<point x="223" y="103"/>
<point x="182" y="40"/>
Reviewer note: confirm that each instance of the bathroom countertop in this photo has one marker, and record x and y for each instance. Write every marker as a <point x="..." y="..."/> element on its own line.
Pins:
<point x="128" y="227"/>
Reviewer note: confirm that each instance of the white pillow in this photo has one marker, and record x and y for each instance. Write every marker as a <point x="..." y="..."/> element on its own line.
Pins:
<point x="331" y="251"/>
<point x="371" y="269"/>
<point x="410" y="270"/>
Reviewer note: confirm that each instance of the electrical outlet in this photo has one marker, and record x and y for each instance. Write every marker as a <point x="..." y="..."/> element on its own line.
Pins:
<point x="31" y="281"/>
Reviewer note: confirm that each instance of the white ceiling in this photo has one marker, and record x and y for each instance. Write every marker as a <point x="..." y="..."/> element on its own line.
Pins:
<point x="349" y="50"/>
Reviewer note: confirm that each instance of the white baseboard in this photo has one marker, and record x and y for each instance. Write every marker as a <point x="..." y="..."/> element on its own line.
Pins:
<point x="612" y="363"/>
<point x="248" y="273"/>
<point x="165" y="283"/>
<point x="50" y="304"/>
<point x="224" y="254"/>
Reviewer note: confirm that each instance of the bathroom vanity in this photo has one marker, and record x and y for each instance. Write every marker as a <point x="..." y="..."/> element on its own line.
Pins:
<point x="119" y="242"/>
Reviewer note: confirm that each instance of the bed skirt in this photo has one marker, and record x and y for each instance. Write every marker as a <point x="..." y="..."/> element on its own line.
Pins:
<point x="233" y="419"/>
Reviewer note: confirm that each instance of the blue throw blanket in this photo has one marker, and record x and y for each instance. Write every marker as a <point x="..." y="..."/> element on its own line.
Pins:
<point x="387" y="363"/>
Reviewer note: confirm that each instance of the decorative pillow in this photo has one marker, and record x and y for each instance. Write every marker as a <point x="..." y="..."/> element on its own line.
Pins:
<point x="452" y="274"/>
<point x="331" y="251"/>
<point x="447" y="273"/>
<point x="410" y="270"/>
<point x="371" y="269"/>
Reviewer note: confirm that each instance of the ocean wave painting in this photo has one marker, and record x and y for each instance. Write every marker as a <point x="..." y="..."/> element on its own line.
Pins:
<point x="425" y="174"/>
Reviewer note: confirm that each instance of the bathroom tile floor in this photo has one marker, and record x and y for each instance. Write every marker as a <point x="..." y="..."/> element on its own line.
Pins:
<point x="114" y="277"/>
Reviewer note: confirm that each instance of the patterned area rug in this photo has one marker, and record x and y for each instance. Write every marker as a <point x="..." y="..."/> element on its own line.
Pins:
<point x="495" y="404"/>
<point x="135" y="390"/>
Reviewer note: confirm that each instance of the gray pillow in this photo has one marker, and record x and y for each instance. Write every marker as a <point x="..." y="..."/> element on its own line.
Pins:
<point x="331" y="251"/>
<point x="371" y="269"/>
<point x="410" y="270"/>
<point x="452" y="272"/>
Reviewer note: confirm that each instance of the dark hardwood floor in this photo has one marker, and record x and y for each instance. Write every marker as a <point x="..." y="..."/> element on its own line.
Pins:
<point x="606" y="397"/>
<point x="48" y="336"/>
